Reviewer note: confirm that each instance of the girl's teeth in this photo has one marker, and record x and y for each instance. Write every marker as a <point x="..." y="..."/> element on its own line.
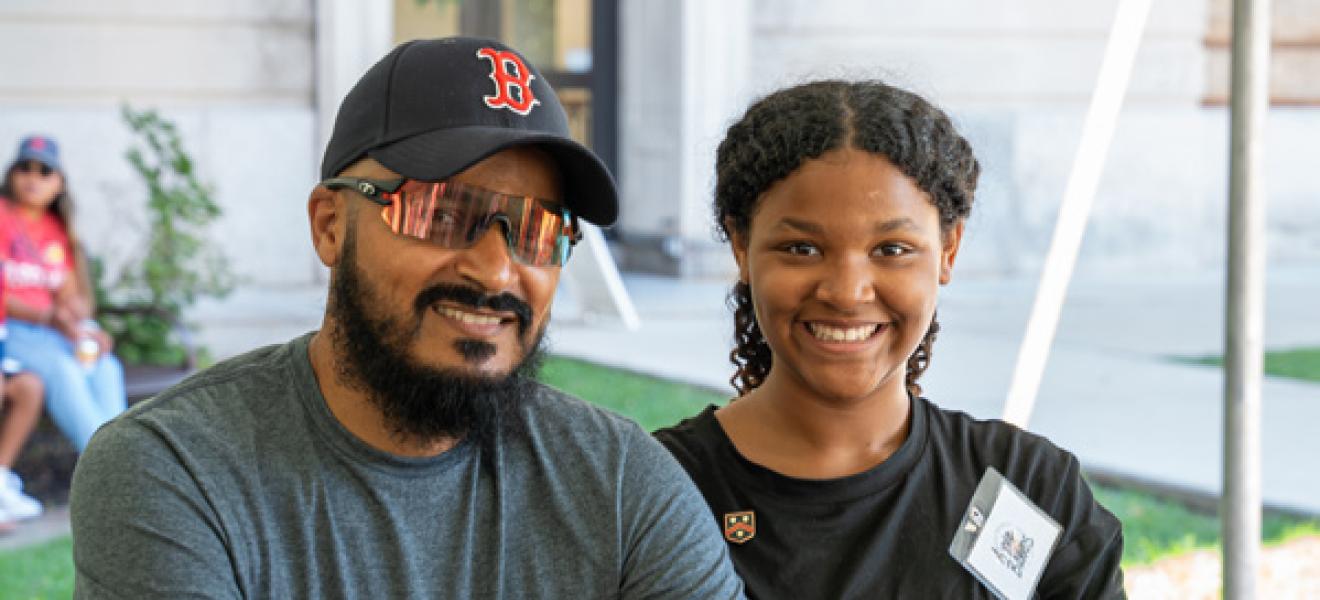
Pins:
<point x="836" y="334"/>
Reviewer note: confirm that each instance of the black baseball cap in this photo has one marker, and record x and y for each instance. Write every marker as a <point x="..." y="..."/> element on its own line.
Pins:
<point x="432" y="108"/>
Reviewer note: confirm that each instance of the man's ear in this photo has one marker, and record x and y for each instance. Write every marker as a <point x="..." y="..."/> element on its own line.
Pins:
<point x="738" y="243"/>
<point x="328" y="216"/>
<point x="952" y="242"/>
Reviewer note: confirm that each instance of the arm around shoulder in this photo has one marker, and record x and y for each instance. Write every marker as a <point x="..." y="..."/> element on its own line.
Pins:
<point x="671" y="544"/>
<point x="142" y="527"/>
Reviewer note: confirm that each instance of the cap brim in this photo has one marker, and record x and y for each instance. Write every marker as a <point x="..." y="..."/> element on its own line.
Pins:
<point x="44" y="158"/>
<point x="589" y="190"/>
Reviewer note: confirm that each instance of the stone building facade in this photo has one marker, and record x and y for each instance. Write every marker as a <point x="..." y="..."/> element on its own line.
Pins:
<point x="253" y="85"/>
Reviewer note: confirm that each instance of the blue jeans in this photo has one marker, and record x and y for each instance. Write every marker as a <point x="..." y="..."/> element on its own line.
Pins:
<point x="79" y="399"/>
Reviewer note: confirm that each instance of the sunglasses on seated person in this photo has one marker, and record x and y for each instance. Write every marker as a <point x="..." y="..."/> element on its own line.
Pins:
<point x="453" y="215"/>
<point x="32" y="166"/>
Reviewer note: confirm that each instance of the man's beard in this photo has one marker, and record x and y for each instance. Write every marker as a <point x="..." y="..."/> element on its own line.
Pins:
<point x="421" y="403"/>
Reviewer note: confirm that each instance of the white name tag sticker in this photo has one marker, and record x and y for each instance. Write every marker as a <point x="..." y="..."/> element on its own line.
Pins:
<point x="1004" y="539"/>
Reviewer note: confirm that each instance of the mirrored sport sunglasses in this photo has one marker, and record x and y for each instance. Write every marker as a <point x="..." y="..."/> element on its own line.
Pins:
<point x="32" y="166"/>
<point x="454" y="215"/>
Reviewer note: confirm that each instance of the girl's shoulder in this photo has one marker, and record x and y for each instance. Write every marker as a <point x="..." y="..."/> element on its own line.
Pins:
<point x="988" y="438"/>
<point x="965" y="446"/>
<point x="693" y="438"/>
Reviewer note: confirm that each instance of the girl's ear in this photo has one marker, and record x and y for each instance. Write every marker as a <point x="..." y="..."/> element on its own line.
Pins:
<point x="738" y="243"/>
<point x="952" y="242"/>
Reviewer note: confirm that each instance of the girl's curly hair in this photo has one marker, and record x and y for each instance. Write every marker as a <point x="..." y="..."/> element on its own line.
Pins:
<point x="789" y="127"/>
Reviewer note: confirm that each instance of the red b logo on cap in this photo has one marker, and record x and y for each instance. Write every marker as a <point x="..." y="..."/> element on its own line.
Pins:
<point x="508" y="71"/>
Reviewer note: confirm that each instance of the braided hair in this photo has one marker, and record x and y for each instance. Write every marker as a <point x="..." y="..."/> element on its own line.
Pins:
<point x="789" y="127"/>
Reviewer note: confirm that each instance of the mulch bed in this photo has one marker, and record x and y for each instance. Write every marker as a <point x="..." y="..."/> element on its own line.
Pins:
<point x="1288" y="570"/>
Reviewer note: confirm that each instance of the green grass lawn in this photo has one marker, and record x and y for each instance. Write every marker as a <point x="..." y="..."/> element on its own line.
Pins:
<point x="43" y="571"/>
<point x="1298" y="363"/>
<point x="652" y="402"/>
<point x="1152" y="527"/>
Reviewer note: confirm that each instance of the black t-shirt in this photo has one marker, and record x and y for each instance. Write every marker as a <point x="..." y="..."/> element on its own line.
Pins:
<point x="885" y="533"/>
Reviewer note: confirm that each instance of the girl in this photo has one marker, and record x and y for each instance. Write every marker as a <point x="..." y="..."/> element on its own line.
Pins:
<point x="844" y="205"/>
<point x="49" y="299"/>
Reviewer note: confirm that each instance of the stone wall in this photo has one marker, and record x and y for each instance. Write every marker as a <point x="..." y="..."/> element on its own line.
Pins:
<point x="254" y="93"/>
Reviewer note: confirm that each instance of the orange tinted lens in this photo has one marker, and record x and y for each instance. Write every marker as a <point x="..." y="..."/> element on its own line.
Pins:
<point x="455" y="216"/>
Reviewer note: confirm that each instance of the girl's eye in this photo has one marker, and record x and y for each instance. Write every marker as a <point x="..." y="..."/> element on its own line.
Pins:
<point x="891" y="250"/>
<point x="801" y="249"/>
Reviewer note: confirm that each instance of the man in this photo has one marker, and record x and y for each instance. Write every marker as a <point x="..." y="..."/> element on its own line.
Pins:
<point x="403" y="451"/>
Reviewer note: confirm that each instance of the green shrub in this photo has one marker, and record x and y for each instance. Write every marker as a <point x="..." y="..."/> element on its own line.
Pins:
<point x="142" y="305"/>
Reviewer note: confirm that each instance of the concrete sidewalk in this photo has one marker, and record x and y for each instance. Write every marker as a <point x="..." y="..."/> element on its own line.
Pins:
<point x="1112" y="392"/>
<point x="52" y="524"/>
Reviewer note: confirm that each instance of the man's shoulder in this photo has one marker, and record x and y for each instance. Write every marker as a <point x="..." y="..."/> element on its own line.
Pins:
<point x="553" y="411"/>
<point x="236" y="393"/>
<point x="579" y="436"/>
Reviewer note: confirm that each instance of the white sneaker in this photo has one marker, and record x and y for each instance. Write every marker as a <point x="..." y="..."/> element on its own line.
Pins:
<point x="7" y="522"/>
<point x="14" y="503"/>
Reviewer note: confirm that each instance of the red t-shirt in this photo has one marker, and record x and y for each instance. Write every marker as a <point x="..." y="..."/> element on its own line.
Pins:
<point x="2" y="301"/>
<point x="37" y="256"/>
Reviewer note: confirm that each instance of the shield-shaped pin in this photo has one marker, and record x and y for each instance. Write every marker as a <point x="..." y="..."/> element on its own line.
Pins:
<point x="740" y="527"/>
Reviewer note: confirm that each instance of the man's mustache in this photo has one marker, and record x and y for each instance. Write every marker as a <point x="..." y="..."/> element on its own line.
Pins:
<point x="471" y="297"/>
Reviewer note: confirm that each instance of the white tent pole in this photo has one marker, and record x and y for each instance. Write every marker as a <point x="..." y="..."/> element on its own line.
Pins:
<point x="1245" y="318"/>
<point x="1075" y="210"/>
<point x="595" y="278"/>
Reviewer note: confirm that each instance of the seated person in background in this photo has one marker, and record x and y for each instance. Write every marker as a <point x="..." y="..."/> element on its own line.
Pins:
<point x="49" y="298"/>
<point x="405" y="450"/>
<point x="20" y="407"/>
<point x="844" y="205"/>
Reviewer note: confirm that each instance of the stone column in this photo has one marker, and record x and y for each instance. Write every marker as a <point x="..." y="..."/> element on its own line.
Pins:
<point x="350" y="37"/>
<point x="683" y="78"/>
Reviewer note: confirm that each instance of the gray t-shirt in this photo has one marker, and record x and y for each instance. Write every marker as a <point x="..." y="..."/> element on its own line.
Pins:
<point x="240" y="483"/>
